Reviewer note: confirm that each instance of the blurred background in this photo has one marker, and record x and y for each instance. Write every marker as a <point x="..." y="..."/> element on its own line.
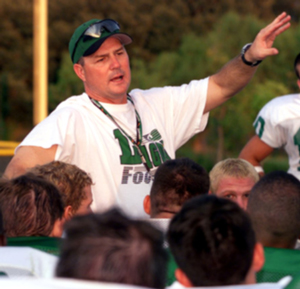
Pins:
<point x="175" y="41"/>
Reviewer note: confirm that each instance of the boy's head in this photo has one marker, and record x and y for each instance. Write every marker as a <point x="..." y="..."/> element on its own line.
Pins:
<point x="213" y="243"/>
<point x="175" y="182"/>
<point x="31" y="206"/>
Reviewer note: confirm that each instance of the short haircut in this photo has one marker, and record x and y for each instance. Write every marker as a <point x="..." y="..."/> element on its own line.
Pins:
<point x="231" y="167"/>
<point x="175" y="182"/>
<point x="70" y="180"/>
<point x="296" y="63"/>
<point x="274" y="207"/>
<point x="109" y="247"/>
<point x="30" y="206"/>
<point x="212" y="241"/>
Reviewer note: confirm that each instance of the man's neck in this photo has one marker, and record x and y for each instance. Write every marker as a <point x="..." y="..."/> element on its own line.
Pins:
<point x="116" y="100"/>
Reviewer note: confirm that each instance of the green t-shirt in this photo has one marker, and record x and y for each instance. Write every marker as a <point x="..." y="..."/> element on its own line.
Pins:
<point x="279" y="263"/>
<point x="172" y="266"/>
<point x="47" y="244"/>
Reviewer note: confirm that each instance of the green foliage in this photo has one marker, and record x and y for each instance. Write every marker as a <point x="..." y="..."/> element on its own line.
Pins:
<point x="67" y="84"/>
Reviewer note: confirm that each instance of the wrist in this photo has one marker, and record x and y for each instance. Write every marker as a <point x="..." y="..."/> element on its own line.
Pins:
<point x="248" y="62"/>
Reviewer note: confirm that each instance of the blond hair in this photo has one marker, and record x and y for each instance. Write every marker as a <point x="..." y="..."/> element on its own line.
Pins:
<point x="69" y="179"/>
<point x="231" y="167"/>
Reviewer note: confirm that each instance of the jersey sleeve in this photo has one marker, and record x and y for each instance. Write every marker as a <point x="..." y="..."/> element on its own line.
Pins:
<point x="267" y="125"/>
<point x="177" y="111"/>
<point x="189" y="103"/>
<point x="59" y="128"/>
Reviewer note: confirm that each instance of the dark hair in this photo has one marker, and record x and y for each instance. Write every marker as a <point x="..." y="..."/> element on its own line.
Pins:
<point x="30" y="206"/>
<point x="175" y="182"/>
<point x="296" y="62"/>
<point x="110" y="247"/>
<point x="212" y="241"/>
<point x="274" y="207"/>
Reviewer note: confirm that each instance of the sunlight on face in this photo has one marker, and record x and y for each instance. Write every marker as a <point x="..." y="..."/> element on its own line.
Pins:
<point x="85" y="206"/>
<point x="235" y="189"/>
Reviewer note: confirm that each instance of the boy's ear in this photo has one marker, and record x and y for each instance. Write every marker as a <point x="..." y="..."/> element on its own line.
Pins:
<point x="298" y="82"/>
<point x="147" y="205"/>
<point x="182" y="278"/>
<point x="258" y="257"/>
<point x="68" y="214"/>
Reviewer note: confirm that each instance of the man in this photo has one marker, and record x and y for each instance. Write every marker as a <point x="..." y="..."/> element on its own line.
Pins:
<point x="213" y="243"/>
<point x="175" y="182"/>
<point x="73" y="183"/>
<point x="273" y="206"/>
<point x="109" y="247"/>
<point x="233" y="179"/>
<point x="120" y="138"/>
<point x="32" y="210"/>
<point x="277" y="125"/>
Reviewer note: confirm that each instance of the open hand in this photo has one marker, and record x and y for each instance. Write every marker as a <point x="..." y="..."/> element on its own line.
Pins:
<point x="262" y="45"/>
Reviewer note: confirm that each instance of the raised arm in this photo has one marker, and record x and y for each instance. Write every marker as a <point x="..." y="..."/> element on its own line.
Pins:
<point x="236" y="74"/>
<point x="28" y="157"/>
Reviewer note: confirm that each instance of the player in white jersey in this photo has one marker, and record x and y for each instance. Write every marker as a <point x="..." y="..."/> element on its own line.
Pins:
<point x="277" y="125"/>
<point x="121" y="138"/>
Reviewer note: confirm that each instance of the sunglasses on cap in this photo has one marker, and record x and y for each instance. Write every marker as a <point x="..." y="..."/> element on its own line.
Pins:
<point x="95" y="30"/>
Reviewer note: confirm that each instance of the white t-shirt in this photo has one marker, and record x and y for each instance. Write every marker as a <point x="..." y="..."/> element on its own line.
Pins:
<point x="278" y="125"/>
<point x="88" y="138"/>
<point x="282" y="283"/>
<point x="18" y="262"/>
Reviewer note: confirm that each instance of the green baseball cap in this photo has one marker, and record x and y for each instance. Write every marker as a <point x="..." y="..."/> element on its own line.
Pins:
<point x="89" y="36"/>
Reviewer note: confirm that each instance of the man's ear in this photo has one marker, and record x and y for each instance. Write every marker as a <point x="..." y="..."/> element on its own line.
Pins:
<point x="209" y="192"/>
<point x="68" y="214"/>
<point x="147" y="205"/>
<point x="258" y="257"/>
<point x="182" y="278"/>
<point x="78" y="68"/>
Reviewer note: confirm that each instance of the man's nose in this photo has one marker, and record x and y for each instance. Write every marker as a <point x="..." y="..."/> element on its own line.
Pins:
<point x="115" y="63"/>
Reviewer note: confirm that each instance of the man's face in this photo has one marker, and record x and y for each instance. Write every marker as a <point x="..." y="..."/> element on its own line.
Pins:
<point x="235" y="189"/>
<point x="85" y="206"/>
<point x="106" y="73"/>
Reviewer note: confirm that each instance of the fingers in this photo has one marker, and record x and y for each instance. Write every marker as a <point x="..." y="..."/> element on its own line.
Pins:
<point x="262" y="45"/>
<point x="279" y="25"/>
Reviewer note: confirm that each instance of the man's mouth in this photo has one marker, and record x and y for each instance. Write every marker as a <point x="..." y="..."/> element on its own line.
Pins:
<point x="117" y="78"/>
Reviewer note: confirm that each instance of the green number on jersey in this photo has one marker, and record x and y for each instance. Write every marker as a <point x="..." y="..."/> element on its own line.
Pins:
<point x="260" y="121"/>
<point x="297" y="143"/>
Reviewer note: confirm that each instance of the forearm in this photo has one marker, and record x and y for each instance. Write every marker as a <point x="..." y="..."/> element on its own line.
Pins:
<point x="234" y="76"/>
<point x="255" y="151"/>
<point x="28" y="157"/>
<point x="236" y="73"/>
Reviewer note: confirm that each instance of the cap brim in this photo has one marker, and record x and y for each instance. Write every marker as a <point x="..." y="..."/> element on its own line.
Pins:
<point x="122" y="37"/>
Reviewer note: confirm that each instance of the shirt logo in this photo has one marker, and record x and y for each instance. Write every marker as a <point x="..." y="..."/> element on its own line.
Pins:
<point x="154" y="135"/>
